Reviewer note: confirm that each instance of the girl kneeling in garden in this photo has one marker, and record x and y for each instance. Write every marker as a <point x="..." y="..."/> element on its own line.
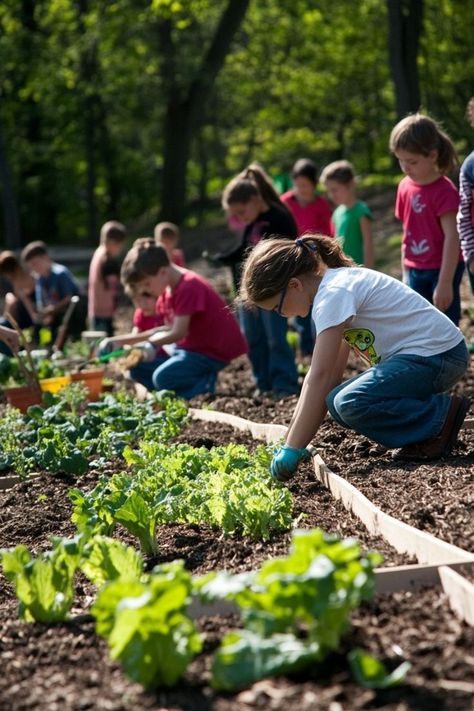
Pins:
<point x="414" y="352"/>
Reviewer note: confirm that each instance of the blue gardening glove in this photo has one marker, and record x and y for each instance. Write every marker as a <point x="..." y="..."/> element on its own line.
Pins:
<point x="286" y="460"/>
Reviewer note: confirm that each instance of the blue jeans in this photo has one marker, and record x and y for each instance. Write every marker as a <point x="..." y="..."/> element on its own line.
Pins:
<point x="273" y="361"/>
<point x="187" y="373"/>
<point x="424" y="282"/>
<point x="471" y="280"/>
<point x="305" y="328"/>
<point x="401" y="400"/>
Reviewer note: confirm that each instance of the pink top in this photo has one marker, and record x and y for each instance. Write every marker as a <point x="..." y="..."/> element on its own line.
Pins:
<point x="419" y="208"/>
<point x="102" y="292"/>
<point x="142" y="322"/>
<point x="313" y="217"/>
<point x="177" y="257"/>
<point x="213" y="329"/>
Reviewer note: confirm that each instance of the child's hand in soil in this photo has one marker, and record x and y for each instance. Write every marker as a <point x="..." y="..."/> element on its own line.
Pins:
<point x="286" y="460"/>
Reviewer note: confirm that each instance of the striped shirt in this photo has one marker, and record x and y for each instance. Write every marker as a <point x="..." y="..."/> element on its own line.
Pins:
<point x="465" y="216"/>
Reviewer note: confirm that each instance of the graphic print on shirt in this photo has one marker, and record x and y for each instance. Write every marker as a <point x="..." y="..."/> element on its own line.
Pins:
<point x="416" y="204"/>
<point x="361" y="341"/>
<point x="419" y="247"/>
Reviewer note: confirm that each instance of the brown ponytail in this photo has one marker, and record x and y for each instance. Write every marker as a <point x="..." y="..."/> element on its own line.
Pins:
<point x="420" y="134"/>
<point x="273" y="262"/>
<point x="253" y="181"/>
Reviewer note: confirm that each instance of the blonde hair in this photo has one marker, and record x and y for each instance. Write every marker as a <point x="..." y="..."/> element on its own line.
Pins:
<point x="273" y="262"/>
<point x="341" y="171"/>
<point x="113" y="231"/>
<point x="421" y="134"/>
<point x="166" y="229"/>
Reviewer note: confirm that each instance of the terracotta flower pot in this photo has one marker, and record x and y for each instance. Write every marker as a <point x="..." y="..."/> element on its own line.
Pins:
<point x="22" y="397"/>
<point x="92" y="379"/>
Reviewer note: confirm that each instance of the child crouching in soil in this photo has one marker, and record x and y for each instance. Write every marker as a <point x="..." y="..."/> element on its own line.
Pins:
<point x="205" y="332"/>
<point x="414" y="352"/>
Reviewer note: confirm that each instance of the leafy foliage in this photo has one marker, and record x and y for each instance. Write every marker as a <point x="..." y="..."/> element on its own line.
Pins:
<point x="64" y="433"/>
<point x="225" y="487"/>
<point x="105" y="559"/>
<point x="371" y="672"/>
<point x="147" y="626"/>
<point x="84" y="89"/>
<point x="294" y="609"/>
<point x="44" y="585"/>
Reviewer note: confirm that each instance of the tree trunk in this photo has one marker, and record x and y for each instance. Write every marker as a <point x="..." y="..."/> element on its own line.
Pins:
<point x="11" y="222"/>
<point x="37" y="180"/>
<point x="183" y="113"/>
<point x="405" y="18"/>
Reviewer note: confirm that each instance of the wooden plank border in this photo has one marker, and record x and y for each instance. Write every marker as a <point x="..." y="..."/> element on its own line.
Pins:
<point x="427" y="549"/>
<point x="433" y="555"/>
<point x="460" y="592"/>
<point x="6" y="482"/>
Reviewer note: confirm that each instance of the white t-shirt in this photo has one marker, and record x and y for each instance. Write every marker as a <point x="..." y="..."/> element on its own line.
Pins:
<point x="387" y="318"/>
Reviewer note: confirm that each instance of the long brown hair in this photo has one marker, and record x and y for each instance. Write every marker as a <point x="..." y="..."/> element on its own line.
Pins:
<point x="253" y="181"/>
<point x="420" y="134"/>
<point x="273" y="262"/>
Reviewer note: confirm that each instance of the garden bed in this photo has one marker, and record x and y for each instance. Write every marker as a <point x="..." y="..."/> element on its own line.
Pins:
<point x="436" y="497"/>
<point x="67" y="666"/>
<point x="49" y="510"/>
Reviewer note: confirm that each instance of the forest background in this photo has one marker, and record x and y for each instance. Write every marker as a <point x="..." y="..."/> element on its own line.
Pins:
<point x="143" y="109"/>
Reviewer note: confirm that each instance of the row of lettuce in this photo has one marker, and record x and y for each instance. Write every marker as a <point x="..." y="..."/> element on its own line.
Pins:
<point x="294" y="610"/>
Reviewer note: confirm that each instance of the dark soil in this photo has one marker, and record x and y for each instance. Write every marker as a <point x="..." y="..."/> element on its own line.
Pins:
<point x="67" y="667"/>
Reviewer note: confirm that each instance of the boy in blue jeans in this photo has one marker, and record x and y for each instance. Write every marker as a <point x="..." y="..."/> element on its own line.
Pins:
<point x="199" y="329"/>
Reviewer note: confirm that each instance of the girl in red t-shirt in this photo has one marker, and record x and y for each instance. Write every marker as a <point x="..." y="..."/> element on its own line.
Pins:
<point x="427" y="203"/>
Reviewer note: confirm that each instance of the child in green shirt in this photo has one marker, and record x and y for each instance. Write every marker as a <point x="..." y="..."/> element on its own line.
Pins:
<point x="352" y="217"/>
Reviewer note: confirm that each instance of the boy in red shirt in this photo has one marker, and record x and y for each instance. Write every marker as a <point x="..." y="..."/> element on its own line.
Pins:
<point x="196" y="321"/>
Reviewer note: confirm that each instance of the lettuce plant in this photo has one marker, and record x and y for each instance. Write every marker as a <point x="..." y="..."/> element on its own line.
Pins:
<point x="44" y="585"/>
<point x="301" y="602"/>
<point x="147" y="626"/>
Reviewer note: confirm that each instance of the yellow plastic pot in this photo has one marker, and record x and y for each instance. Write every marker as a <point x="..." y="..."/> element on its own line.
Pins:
<point x="54" y="385"/>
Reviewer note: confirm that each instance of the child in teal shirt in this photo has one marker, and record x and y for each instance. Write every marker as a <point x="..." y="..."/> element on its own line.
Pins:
<point x="352" y="217"/>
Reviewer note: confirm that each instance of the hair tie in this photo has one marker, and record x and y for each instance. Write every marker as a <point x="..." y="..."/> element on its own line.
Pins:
<point x="301" y="243"/>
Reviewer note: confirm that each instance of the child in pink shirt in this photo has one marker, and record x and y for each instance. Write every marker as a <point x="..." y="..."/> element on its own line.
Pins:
<point x="104" y="279"/>
<point x="196" y="321"/>
<point x="145" y="317"/>
<point x="312" y="214"/>
<point x="427" y="203"/>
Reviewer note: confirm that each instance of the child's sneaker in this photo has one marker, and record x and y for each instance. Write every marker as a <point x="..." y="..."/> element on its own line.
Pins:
<point x="442" y="444"/>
